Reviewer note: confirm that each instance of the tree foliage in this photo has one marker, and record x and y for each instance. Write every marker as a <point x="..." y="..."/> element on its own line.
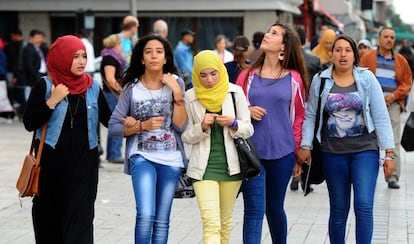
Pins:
<point x="396" y="21"/>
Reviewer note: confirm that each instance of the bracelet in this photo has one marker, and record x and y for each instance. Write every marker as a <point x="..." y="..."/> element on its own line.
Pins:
<point x="179" y="102"/>
<point x="306" y="147"/>
<point x="235" y="123"/>
<point x="389" y="158"/>
<point x="141" y="124"/>
<point x="138" y="126"/>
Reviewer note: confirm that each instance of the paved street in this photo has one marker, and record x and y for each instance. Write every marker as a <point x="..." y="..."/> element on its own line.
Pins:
<point x="115" y="211"/>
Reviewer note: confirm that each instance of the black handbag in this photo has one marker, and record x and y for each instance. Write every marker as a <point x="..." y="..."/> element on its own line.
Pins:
<point x="249" y="161"/>
<point x="312" y="173"/>
<point x="407" y="139"/>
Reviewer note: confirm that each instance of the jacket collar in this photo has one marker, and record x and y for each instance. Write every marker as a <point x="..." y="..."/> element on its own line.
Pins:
<point x="357" y="72"/>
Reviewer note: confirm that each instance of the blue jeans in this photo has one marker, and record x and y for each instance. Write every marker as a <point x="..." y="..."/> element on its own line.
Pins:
<point x="154" y="187"/>
<point x="267" y="193"/>
<point x="342" y="171"/>
<point x="254" y="208"/>
<point x="113" y="143"/>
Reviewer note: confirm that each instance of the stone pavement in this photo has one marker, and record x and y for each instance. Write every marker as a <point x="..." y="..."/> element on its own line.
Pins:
<point x="115" y="211"/>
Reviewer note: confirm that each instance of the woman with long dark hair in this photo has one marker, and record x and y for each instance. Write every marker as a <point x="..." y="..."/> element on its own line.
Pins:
<point x="150" y="113"/>
<point x="276" y="87"/>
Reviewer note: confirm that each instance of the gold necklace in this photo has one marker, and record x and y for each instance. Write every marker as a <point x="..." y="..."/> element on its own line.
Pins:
<point x="72" y="115"/>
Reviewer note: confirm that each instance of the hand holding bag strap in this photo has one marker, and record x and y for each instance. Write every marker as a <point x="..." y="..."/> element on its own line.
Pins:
<point x="42" y="141"/>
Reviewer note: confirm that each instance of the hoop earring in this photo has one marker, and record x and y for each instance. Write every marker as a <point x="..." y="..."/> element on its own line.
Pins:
<point x="281" y="55"/>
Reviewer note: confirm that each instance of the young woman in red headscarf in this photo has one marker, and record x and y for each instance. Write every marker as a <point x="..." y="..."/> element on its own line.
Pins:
<point x="72" y="105"/>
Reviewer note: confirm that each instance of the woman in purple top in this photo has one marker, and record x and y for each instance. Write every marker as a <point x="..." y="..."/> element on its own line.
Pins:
<point x="276" y="92"/>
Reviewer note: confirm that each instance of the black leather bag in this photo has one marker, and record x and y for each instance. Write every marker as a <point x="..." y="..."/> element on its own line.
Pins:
<point x="407" y="139"/>
<point x="312" y="172"/>
<point x="249" y="161"/>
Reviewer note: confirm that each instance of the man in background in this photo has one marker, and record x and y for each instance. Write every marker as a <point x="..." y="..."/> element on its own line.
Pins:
<point x="183" y="56"/>
<point x="313" y="63"/>
<point x="160" y="28"/>
<point x="130" y="26"/>
<point x="34" y="60"/>
<point x="394" y="75"/>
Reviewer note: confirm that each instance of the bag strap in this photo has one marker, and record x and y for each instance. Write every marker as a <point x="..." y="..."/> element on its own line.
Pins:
<point x="234" y="104"/>
<point x="318" y="110"/>
<point x="42" y="141"/>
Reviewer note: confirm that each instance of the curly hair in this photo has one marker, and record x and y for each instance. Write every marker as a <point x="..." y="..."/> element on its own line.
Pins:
<point x="136" y="68"/>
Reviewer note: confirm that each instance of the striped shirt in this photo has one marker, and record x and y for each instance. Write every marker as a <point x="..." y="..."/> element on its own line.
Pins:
<point x="386" y="74"/>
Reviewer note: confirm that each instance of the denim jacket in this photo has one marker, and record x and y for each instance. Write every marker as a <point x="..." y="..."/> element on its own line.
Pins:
<point x="374" y="108"/>
<point x="55" y="123"/>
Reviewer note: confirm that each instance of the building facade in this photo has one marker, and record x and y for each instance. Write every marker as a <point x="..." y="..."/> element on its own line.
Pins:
<point x="206" y="18"/>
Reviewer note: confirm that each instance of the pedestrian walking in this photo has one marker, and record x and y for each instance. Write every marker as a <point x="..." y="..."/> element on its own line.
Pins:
<point x="183" y="57"/>
<point x="394" y="74"/>
<point x="130" y="25"/>
<point x="214" y="165"/>
<point x="353" y="122"/>
<point x="276" y="87"/>
<point x="150" y="113"/>
<point x="72" y="105"/>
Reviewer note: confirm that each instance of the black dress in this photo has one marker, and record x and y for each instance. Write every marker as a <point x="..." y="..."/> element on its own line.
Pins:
<point x="64" y="211"/>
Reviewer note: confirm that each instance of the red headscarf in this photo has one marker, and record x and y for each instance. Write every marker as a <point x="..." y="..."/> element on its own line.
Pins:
<point x="59" y="62"/>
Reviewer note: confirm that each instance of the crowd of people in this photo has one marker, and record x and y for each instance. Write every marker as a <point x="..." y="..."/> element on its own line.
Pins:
<point x="159" y="98"/>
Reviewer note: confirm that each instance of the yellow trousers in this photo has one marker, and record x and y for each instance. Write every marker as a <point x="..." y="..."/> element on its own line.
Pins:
<point x="216" y="201"/>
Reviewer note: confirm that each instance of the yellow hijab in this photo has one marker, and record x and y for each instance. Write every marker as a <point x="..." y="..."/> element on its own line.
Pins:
<point x="320" y="50"/>
<point x="211" y="98"/>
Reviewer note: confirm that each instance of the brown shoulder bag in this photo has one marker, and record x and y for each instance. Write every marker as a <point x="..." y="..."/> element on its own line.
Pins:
<point x="28" y="181"/>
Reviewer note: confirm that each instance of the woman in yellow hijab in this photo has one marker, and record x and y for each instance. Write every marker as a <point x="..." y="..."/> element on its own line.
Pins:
<point x="213" y="162"/>
<point x="210" y="92"/>
<point x="324" y="48"/>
